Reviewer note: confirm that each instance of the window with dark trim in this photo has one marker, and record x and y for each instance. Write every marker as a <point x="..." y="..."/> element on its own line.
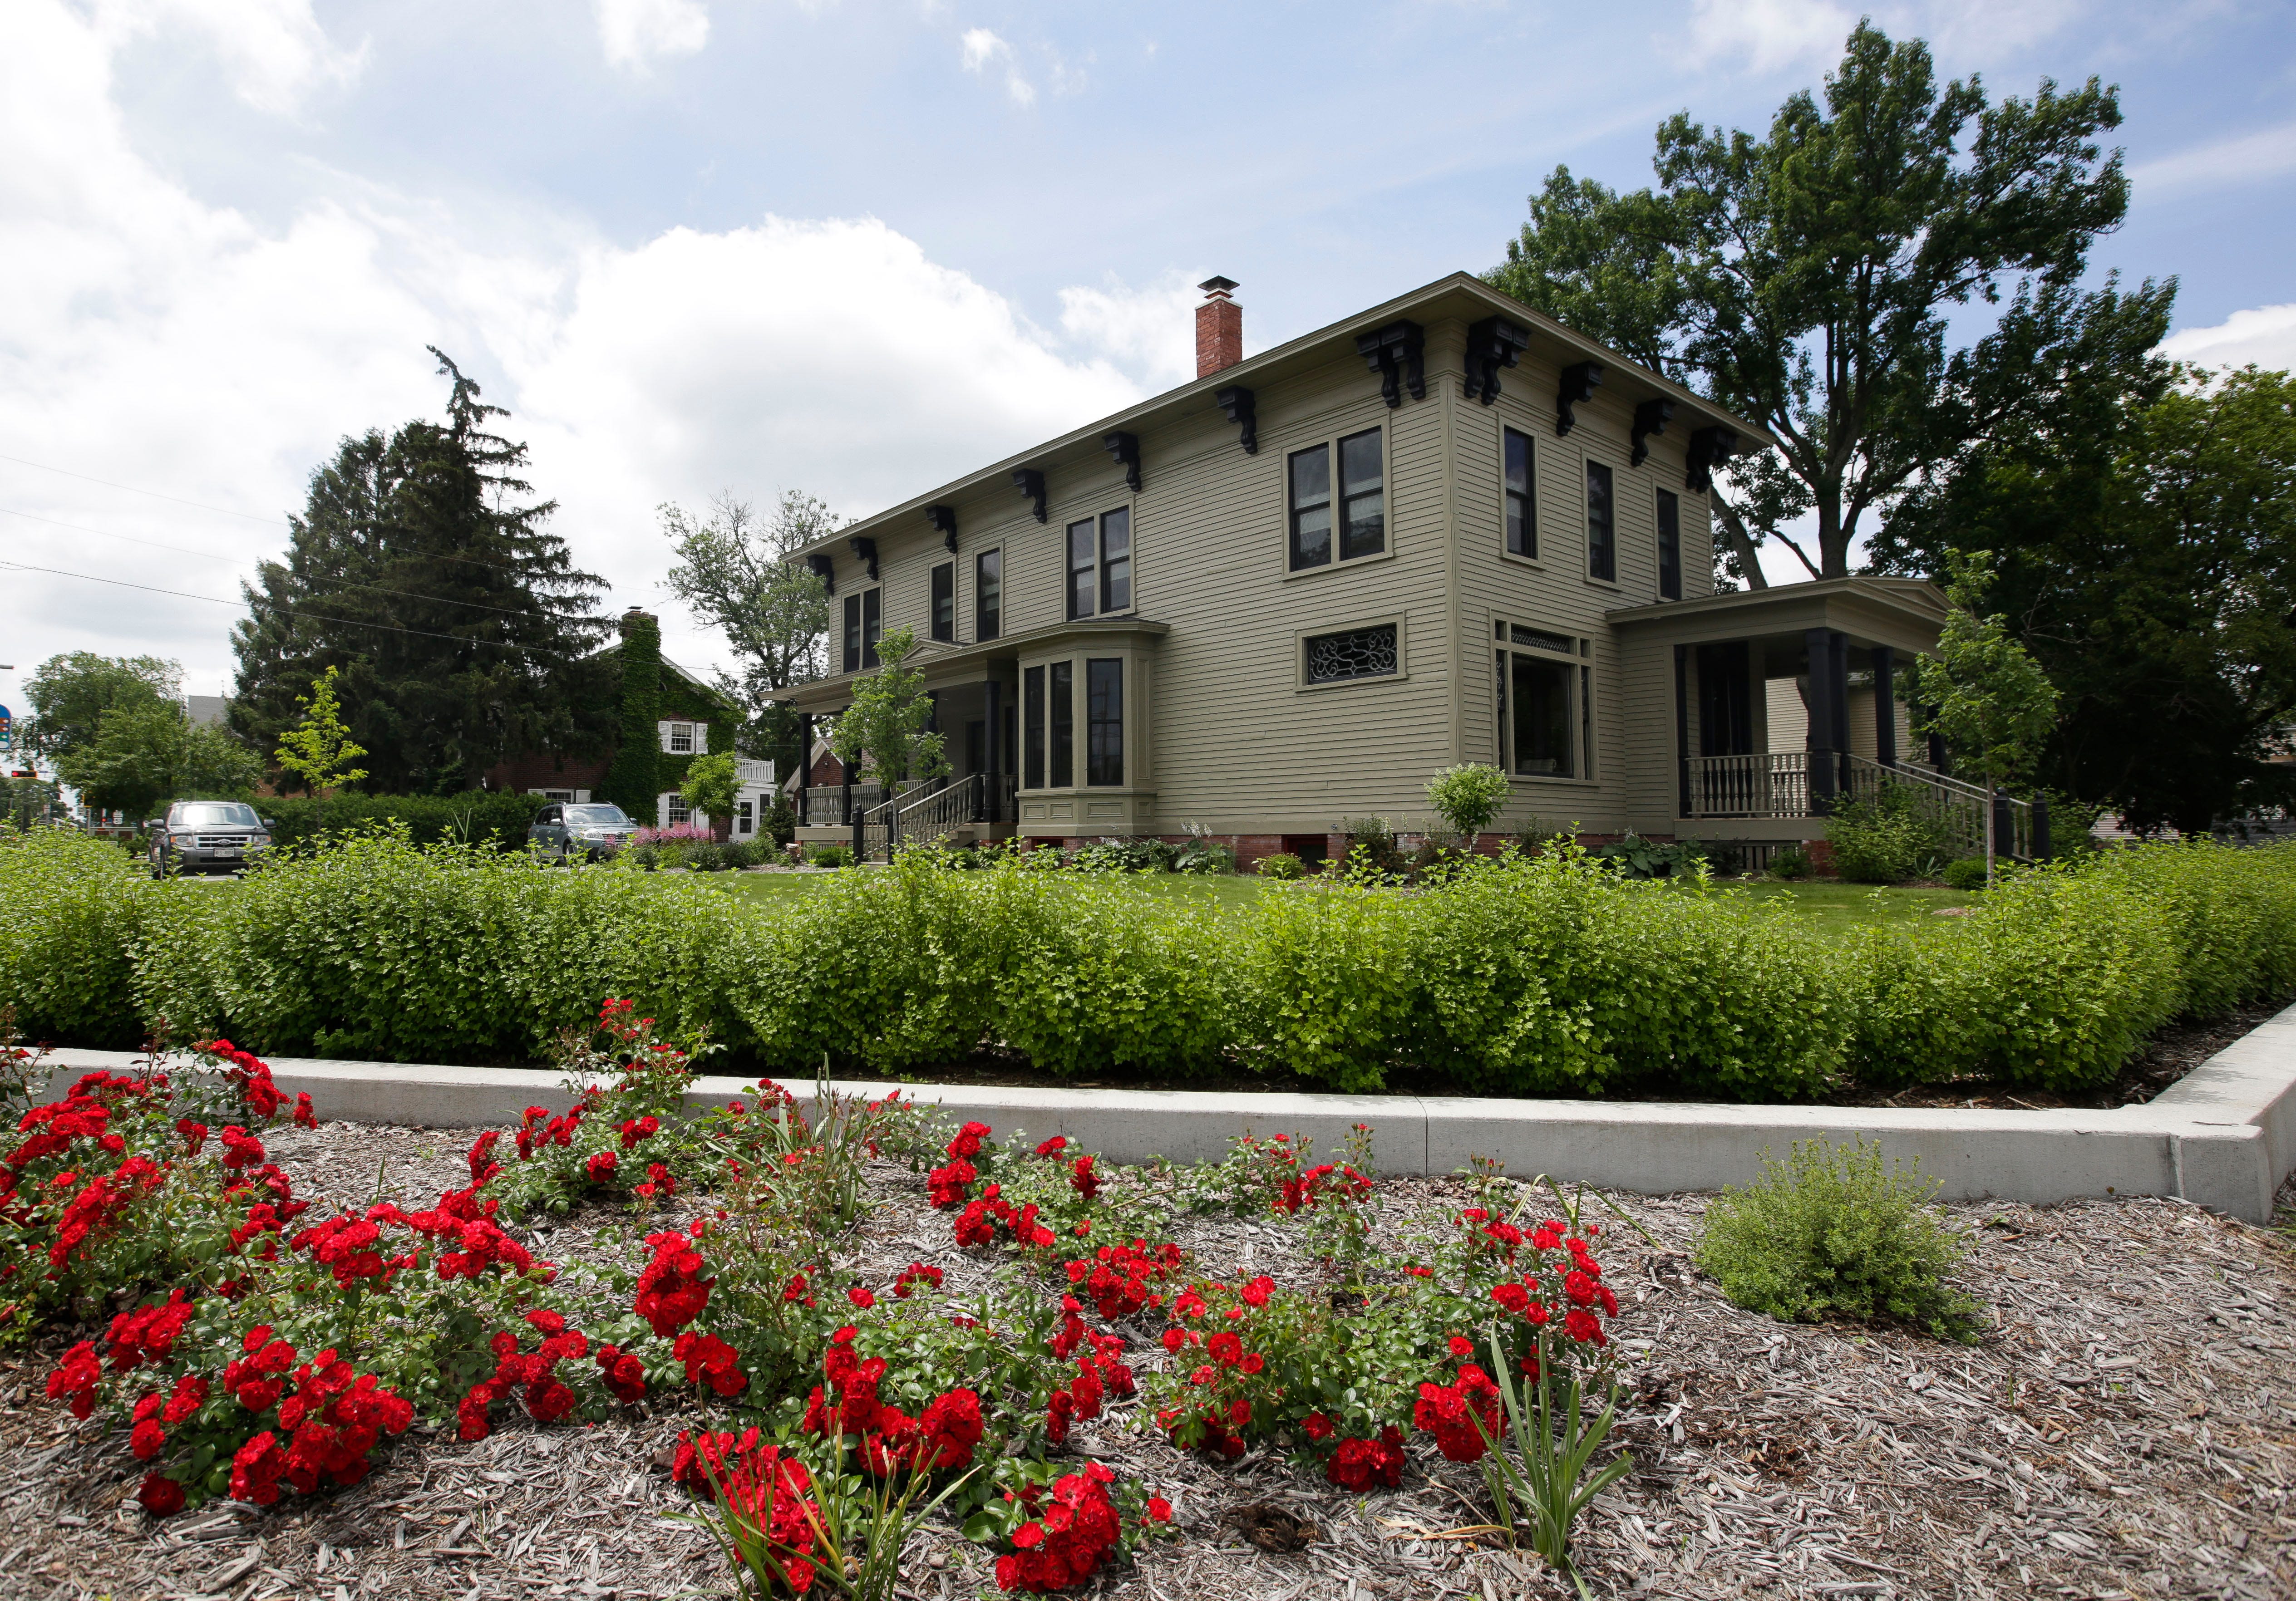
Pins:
<point x="1602" y="518"/>
<point x="1356" y="653"/>
<point x="1103" y="722"/>
<point x="1544" y="702"/>
<point x="852" y="634"/>
<point x="944" y="602"/>
<point x="1310" y="477"/>
<point x="1359" y="508"/>
<point x="1670" y="545"/>
<point x="1363" y="496"/>
<point x="1063" y="719"/>
<point x="988" y="595"/>
<point x="1522" y="519"/>
<point x="1084" y="563"/>
<point x="1032" y="700"/>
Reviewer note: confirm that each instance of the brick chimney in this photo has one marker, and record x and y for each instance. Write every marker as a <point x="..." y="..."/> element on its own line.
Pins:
<point x="1220" y="328"/>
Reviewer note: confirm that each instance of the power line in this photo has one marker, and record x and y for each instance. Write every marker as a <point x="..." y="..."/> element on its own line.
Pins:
<point x="155" y="495"/>
<point x="405" y="594"/>
<point x="457" y="639"/>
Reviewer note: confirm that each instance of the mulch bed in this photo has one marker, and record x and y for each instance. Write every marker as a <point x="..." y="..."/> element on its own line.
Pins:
<point x="2126" y="1428"/>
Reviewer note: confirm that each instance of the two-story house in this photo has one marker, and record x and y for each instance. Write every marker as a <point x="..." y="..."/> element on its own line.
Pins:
<point x="1448" y="529"/>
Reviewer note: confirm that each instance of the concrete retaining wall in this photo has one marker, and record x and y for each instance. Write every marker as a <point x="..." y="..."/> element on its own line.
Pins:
<point x="2224" y="1136"/>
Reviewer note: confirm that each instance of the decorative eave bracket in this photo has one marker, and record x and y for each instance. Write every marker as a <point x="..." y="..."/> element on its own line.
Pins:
<point x="1709" y="447"/>
<point x="1242" y="407"/>
<point x="1651" y="418"/>
<point x="944" y="521"/>
<point x="1125" y="448"/>
<point x="1031" y="482"/>
<point x="824" y="567"/>
<point x="1580" y="379"/>
<point x="865" y="549"/>
<point x="1491" y="344"/>
<point x="1397" y="352"/>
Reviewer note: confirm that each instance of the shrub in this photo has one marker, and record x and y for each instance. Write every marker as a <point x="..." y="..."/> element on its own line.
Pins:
<point x="1282" y="866"/>
<point x="1830" y="1233"/>
<point x="1204" y="855"/>
<point x="1966" y="874"/>
<point x="1468" y="796"/>
<point x="831" y="855"/>
<point x="1886" y="838"/>
<point x="1371" y="844"/>
<point x="1634" y="857"/>
<point x="72" y="908"/>
<point x="497" y="818"/>
<point x="1790" y="863"/>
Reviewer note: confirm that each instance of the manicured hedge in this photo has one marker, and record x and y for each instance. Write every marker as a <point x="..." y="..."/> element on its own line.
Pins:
<point x="491" y="817"/>
<point x="1532" y="976"/>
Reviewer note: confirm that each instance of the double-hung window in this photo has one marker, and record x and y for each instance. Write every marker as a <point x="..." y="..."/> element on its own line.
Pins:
<point x="1522" y="520"/>
<point x="1355" y="506"/>
<point x="1100" y="564"/>
<point x="1063" y="721"/>
<point x="1602" y="525"/>
<point x="865" y="622"/>
<point x="1670" y="545"/>
<point x="1544" y="685"/>
<point x="944" y="602"/>
<point x="1032" y="720"/>
<point x="988" y="595"/>
<point x="1103" y="722"/>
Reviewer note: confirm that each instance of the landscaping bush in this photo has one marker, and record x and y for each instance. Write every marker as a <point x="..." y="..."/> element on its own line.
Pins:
<point x="1283" y="867"/>
<point x="72" y="907"/>
<point x="1830" y="1233"/>
<point x="1886" y="838"/>
<point x="1790" y="863"/>
<point x="831" y="855"/>
<point x="497" y="818"/>
<point x="1966" y="874"/>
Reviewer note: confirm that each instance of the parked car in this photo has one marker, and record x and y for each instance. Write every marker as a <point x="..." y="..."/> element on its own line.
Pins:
<point x="589" y="830"/>
<point x="207" y="836"/>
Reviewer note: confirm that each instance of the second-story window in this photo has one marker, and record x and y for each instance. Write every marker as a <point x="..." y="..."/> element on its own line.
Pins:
<point x="988" y="595"/>
<point x="944" y="602"/>
<point x="1602" y="533"/>
<point x="1359" y="509"/>
<point x="1084" y="565"/>
<point x="1100" y="564"/>
<point x="1670" y="545"/>
<point x="865" y="622"/>
<point x="1521" y="520"/>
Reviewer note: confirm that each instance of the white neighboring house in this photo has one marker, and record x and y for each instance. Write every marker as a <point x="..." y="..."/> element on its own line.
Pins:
<point x="686" y="739"/>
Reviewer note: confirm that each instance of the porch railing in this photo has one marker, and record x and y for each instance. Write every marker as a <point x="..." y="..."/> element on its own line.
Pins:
<point x="822" y="806"/>
<point x="1789" y="784"/>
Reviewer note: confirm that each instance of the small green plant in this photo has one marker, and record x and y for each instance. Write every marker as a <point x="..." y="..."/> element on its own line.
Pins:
<point x="1283" y="867"/>
<point x="1202" y="853"/>
<point x="1834" y="1233"/>
<point x="319" y="750"/>
<point x="713" y="785"/>
<point x="831" y="855"/>
<point x="1468" y="796"/>
<point x="1635" y="857"/>
<point x="1967" y="874"/>
<point x="1535" y="1471"/>
<point x="1790" y="863"/>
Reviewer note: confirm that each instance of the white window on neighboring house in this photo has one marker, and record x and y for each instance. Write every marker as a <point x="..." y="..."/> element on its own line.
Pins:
<point x="744" y="819"/>
<point x="674" y="810"/>
<point x="682" y="738"/>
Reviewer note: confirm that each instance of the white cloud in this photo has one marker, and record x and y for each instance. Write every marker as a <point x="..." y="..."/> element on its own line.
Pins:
<point x="151" y="339"/>
<point x="1151" y="331"/>
<point x="275" y="49"/>
<point x="2255" y="158"/>
<point x="980" y="51"/>
<point x="636" y="33"/>
<point x="2265" y="336"/>
<point x="1771" y="36"/>
<point x="1766" y="35"/>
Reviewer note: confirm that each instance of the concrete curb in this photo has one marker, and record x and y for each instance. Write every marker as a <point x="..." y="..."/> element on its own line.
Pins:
<point x="2223" y="1137"/>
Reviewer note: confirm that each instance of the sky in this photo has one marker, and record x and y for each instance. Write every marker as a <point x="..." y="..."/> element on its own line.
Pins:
<point x="853" y="247"/>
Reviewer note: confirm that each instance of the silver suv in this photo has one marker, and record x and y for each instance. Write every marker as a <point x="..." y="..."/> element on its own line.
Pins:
<point x="207" y="836"/>
<point x="589" y="829"/>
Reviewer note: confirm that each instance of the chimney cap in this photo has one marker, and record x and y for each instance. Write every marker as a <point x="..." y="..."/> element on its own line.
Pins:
<point x="1216" y="288"/>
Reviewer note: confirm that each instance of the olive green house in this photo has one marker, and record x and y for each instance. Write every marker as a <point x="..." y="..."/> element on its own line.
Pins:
<point x="1448" y="529"/>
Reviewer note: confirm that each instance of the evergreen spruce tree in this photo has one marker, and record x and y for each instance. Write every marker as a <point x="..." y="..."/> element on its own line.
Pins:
<point x="463" y="631"/>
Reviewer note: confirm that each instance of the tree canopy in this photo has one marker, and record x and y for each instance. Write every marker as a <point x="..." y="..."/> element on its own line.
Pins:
<point x="71" y="693"/>
<point x="145" y="753"/>
<point x="886" y="721"/>
<point x="1805" y="280"/>
<point x="461" y="629"/>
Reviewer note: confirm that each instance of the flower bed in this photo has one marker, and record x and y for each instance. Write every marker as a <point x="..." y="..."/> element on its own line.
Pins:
<point x="1276" y="1333"/>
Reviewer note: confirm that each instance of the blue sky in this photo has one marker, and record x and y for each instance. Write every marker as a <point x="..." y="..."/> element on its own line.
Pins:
<point x="847" y="247"/>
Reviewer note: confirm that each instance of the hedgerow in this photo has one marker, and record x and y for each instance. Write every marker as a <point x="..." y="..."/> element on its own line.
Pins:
<point x="1546" y="975"/>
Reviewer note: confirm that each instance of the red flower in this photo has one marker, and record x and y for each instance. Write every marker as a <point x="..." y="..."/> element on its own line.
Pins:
<point x="1085" y="1182"/>
<point x="1160" y="1510"/>
<point x="1316" y="1426"/>
<point x="600" y="1167"/>
<point x="1053" y="1147"/>
<point x="305" y="1116"/>
<point x="1512" y="1296"/>
<point x="967" y="1142"/>
<point x="861" y="1297"/>
<point x="1358" y="1464"/>
<point x="947" y="1186"/>
<point x="161" y="1496"/>
<point x="1460" y="1346"/>
<point x="671" y="1293"/>
<point x="1450" y="1412"/>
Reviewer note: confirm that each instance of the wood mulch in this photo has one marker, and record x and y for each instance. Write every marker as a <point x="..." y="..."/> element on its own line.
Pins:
<point x="2126" y="1428"/>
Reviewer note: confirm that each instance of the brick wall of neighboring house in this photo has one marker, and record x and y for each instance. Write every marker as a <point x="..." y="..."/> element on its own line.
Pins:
<point x="539" y="770"/>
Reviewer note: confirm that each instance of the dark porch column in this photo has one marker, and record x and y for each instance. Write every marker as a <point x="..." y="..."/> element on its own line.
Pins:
<point x="992" y="782"/>
<point x="1682" y="725"/>
<point x="1885" y="706"/>
<point x="1825" y="714"/>
<point x="803" y="765"/>
<point x="845" y="773"/>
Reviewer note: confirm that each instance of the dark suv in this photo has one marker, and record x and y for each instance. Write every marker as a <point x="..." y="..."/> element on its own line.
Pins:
<point x="207" y="836"/>
<point x="585" y="829"/>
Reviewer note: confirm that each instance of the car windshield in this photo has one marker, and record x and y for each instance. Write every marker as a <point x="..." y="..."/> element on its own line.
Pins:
<point x="595" y="817"/>
<point x="216" y="814"/>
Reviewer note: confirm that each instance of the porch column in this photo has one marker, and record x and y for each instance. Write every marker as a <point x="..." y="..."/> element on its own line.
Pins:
<point x="1682" y="725"/>
<point x="803" y="765"/>
<point x="992" y="782"/>
<point x="845" y="773"/>
<point x="1824" y="712"/>
<point x="1885" y="706"/>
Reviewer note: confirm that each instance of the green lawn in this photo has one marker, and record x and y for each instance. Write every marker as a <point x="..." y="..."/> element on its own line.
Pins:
<point x="1838" y="908"/>
<point x="1227" y="892"/>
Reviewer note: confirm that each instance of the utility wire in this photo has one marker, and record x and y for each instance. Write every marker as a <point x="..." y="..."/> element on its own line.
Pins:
<point x="457" y="639"/>
<point x="405" y="594"/>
